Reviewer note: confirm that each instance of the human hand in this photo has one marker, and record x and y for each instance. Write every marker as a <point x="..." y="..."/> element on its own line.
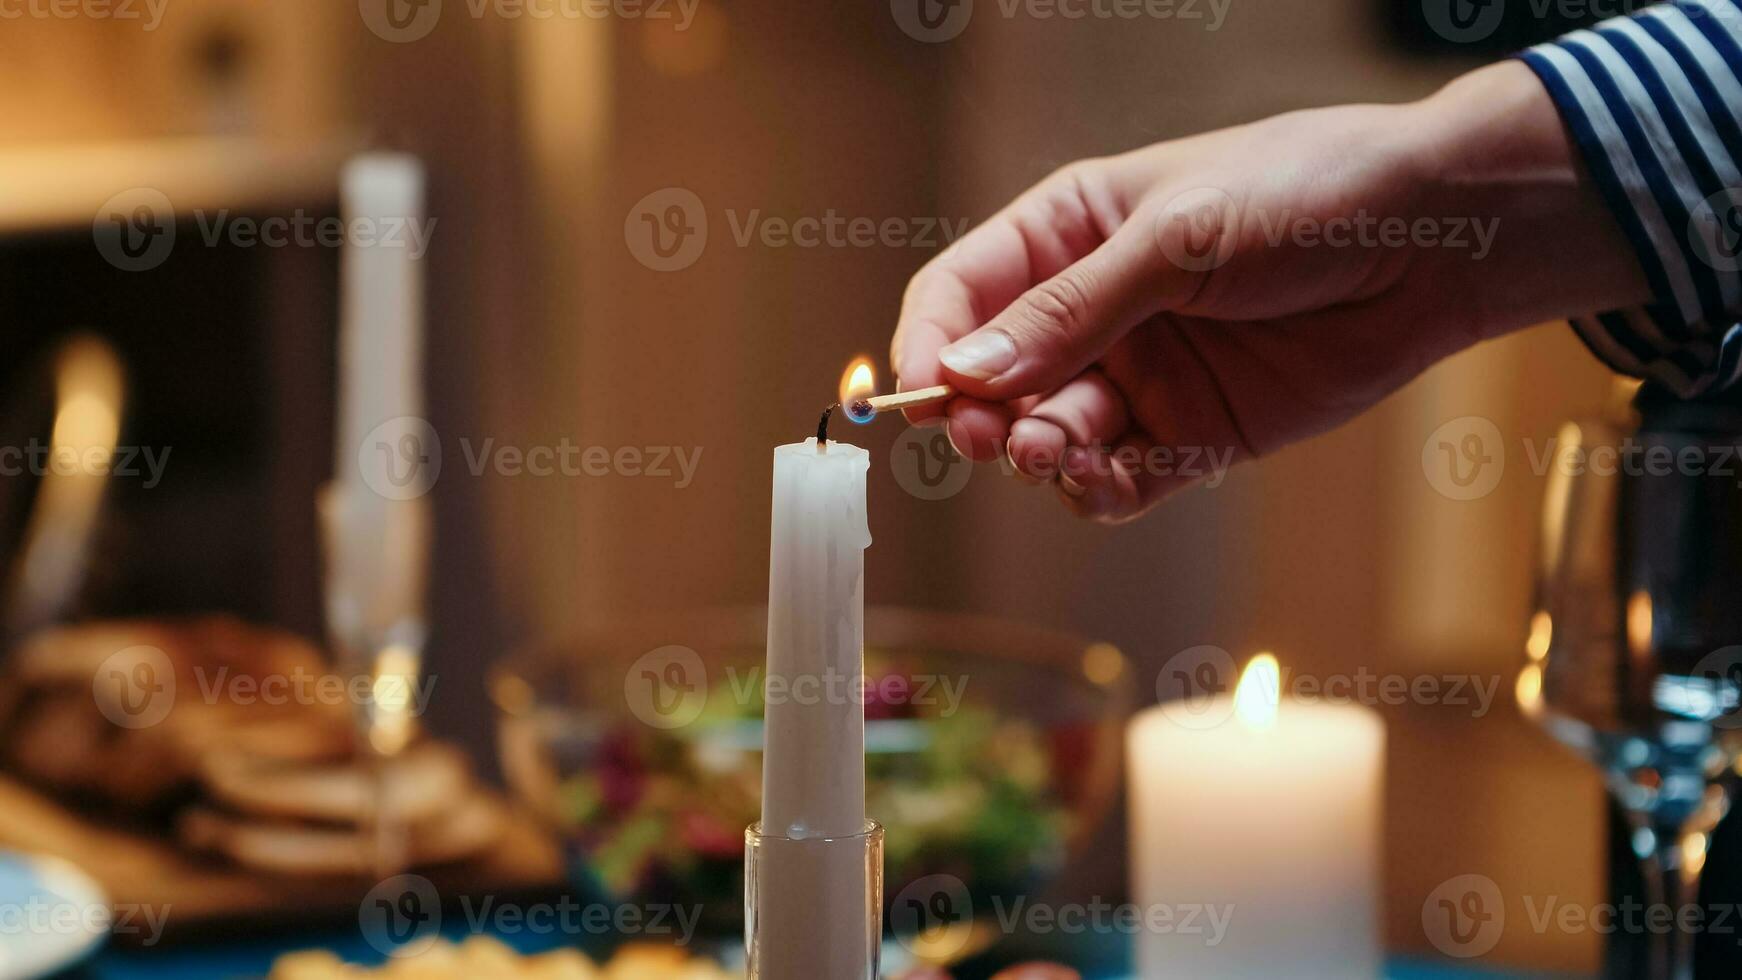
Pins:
<point x="1131" y="321"/>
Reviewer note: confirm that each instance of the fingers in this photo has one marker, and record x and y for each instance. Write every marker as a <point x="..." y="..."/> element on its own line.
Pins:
<point x="1087" y="412"/>
<point x="1034" y="238"/>
<point x="1060" y="326"/>
<point x="941" y="304"/>
<point x="1080" y="438"/>
<point x="1113" y="485"/>
<point x="977" y="429"/>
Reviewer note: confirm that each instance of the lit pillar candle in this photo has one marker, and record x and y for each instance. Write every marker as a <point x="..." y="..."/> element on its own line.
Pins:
<point x="1271" y="816"/>
<point x="813" y="770"/>
<point x="811" y="901"/>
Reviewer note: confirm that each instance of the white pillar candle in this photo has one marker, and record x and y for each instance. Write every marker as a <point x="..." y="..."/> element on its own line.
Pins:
<point x="813" y="765"/>
<point x="811" y="910"/>
<point x="1270" y="815"/>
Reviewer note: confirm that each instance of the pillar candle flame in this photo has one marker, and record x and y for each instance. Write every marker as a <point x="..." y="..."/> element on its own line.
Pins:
<point x="1259" y="692"/>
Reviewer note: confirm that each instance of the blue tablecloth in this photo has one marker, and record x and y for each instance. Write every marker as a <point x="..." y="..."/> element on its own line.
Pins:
<point x="235" y="961"/>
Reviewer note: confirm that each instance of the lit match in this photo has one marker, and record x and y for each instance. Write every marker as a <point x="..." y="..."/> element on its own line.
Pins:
<point x="899" y="400"/>
<point x="861" y="407"/>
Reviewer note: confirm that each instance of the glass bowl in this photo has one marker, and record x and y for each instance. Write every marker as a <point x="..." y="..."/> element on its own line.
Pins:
<point x="993" y="757"/>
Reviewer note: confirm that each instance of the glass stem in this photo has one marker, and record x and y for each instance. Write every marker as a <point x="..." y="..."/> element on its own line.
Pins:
<point x="1670" y="883"/>
<point x="1671" y="868"/>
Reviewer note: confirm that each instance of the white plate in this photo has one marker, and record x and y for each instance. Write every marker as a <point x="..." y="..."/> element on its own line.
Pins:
<point x="52" y="915"/>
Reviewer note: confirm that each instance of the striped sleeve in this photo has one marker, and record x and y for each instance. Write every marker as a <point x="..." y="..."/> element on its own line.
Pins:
<point x="1654" y="102"/>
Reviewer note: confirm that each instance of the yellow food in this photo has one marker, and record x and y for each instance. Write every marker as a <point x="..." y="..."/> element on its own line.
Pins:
<point x="482" y="958"/>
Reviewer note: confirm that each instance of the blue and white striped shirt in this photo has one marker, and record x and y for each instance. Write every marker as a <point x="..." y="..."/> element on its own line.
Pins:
<point x="1654" y="102"/>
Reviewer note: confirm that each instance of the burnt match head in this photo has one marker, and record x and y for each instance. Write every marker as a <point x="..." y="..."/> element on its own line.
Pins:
<point x="859" y="410"/>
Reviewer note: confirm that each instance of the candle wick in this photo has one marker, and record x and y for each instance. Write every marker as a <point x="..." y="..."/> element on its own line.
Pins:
<point x="823" y="428"/>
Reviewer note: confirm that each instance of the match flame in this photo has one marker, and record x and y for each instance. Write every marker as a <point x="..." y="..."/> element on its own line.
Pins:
<point x="857" y="384"/>
<point x="1260" y="688"/>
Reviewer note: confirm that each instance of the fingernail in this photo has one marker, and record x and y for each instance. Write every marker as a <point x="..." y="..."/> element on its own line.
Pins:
<point x="984" y="355"/>
<point x="1072" y="460"/>
<point x="950" y="434"/>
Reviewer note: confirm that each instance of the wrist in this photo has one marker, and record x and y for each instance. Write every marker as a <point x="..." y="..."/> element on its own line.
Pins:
<point x="1491" y="146"/>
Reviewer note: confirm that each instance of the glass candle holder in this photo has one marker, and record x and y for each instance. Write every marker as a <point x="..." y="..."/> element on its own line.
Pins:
<point x="813" y="907"/>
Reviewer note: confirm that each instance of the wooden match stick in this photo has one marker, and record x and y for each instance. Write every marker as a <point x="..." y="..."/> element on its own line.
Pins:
<point x="909" y="399"/>
<point x="864" y="408"/>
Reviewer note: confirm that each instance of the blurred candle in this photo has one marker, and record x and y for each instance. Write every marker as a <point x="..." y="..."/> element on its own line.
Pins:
<point x="373" y="514"/>
<point x="1271" y="815"/>
<point x="381" y="309"/>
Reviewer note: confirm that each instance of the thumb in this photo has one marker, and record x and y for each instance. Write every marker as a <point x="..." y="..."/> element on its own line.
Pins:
<point x="1062" y="325"/>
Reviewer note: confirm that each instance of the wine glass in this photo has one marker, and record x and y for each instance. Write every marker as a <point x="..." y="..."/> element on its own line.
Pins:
<point x="1632" y="655"/>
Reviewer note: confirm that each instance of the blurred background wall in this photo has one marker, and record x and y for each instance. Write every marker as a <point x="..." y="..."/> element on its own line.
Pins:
<point x="542" y="138"/>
